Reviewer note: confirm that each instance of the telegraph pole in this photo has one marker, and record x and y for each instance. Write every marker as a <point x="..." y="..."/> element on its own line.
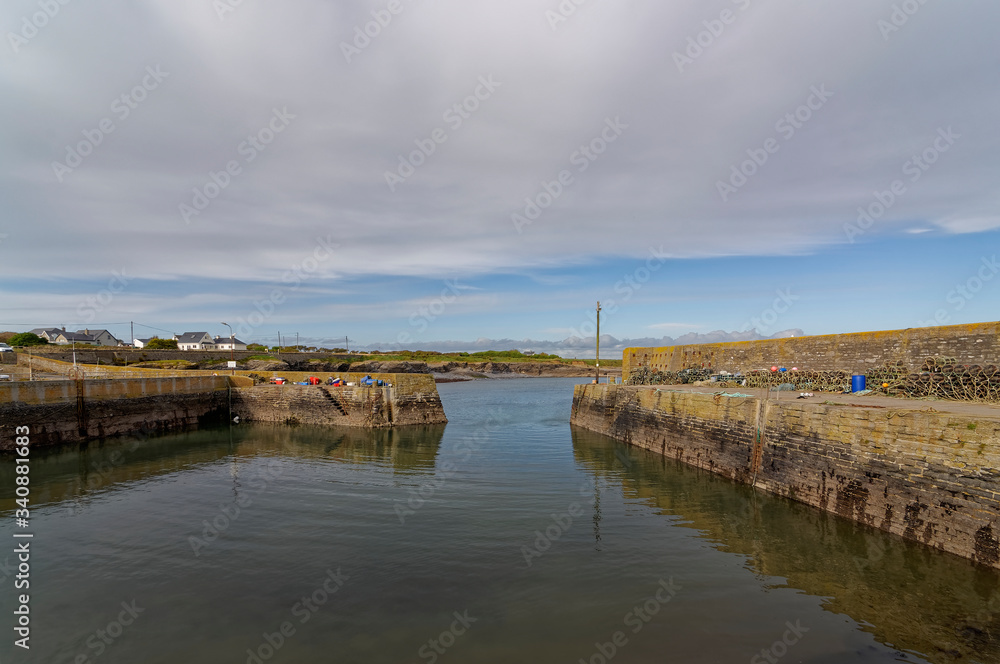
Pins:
<point x="232" y="347"/>
<point x="598" y="356"/>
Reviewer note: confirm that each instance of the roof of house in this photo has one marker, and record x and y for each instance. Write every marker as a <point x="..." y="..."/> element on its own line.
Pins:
<point x="97" y="333"/>
<point x="191" y="337"/>
<point x="225" y="340"/>
<point x="76" y="336"/>
<point x="52" y="331"/>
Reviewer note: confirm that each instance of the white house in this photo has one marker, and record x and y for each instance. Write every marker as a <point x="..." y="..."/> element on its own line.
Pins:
<point x="222" y="343"/>
<point x="140" y="343"/>
<point x="195" y="341"/>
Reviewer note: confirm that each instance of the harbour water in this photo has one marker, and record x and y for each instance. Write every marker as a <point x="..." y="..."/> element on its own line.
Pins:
<point x="504" y="536"/>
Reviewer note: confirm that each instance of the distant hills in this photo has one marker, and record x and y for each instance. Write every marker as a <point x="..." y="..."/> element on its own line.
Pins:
<point x="580" y="347"/>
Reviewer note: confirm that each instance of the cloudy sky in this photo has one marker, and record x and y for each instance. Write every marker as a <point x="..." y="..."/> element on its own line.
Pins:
<point x="405" y="172"/>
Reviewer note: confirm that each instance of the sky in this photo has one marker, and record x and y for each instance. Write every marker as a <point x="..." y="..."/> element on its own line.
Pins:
<point x="467" y="175"/>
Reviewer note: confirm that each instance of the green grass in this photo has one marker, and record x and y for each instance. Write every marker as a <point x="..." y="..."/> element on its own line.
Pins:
<point x="435" y="357"/>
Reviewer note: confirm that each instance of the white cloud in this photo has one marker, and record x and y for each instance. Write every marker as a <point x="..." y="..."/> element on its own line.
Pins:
<point x="325" y="173"/>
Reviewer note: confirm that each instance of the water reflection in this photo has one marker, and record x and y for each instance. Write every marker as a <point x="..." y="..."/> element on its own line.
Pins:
<point x="907" y="596"/>
<point x="74" y="473"/>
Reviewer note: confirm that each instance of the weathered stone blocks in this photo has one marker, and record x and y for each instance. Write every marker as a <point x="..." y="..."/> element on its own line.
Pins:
<point x="927" y="476"/>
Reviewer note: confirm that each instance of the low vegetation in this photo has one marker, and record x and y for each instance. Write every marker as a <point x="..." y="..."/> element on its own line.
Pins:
<point x="434" y="357"/>
<point x="161" y="344"/>
<point x="26" y="339"/>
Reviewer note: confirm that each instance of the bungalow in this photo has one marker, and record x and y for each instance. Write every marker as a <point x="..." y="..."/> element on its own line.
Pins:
<point x="194" y="341"/>
<point x="56" y="335"/>
<point x="140" y="343"/>
<point x="222" y="343"/>
<point x="67" y="338"/>
<point x="48" y="333"/>
<point x="102" y="337"/>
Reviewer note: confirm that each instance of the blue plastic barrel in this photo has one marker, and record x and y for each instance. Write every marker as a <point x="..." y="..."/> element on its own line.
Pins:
<point x="857" y="383"/>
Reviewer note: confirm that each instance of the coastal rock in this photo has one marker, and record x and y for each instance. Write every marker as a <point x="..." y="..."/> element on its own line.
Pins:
<point x="266" y="365"/>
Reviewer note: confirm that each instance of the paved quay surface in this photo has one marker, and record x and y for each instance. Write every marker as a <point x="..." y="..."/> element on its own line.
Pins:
<point x="837" y="398"/>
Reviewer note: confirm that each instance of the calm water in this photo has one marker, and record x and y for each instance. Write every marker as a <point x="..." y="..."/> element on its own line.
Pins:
<point x="506" y="536"/>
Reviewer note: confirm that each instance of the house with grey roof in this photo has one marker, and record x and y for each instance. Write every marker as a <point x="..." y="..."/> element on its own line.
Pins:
<point x="102" y="337"/>
<point x="195" y="341"/>
<point x="48" y="333"/>
<point x="222" y="343"/>
<point x="67" y="338"/>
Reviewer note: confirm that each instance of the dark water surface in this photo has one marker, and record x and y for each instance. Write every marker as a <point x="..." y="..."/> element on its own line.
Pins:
<point x="506" y="536"/>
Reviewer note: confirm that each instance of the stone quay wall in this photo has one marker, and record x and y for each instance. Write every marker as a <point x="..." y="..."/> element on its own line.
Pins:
<point x="977" y="343"/>
<point x="411" y="399"/>
<point x="76" y="411"/>
<point x="79" y="411"/>
<point x="927" y="476"/>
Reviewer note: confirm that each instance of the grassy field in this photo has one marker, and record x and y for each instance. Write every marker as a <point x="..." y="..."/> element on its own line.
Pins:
<point x="434" y="357"/>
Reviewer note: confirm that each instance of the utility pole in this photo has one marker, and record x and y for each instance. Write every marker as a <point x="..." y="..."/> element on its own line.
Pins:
<point x="296" y="342"/>
<point x="347" y="344"/>
<point x="598" y="356"/>
<point x="279" y="344"/>
<point x="232" y="346"/>
<point x="131" y="326"/>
